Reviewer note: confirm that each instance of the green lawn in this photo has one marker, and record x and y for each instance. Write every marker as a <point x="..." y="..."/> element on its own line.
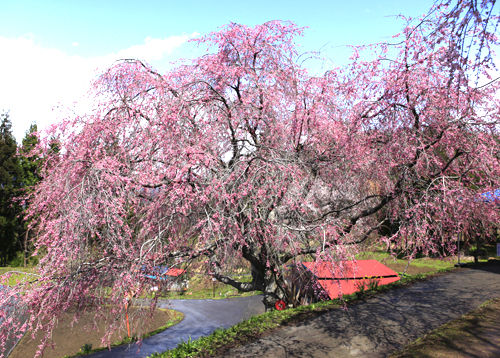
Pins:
<point x="17" y="276"/>
<point x="432" y="263"/>
<point x="201" y="287"/>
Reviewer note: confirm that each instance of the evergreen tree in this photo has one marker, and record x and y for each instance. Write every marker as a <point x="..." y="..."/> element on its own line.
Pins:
<point x="11" y="175"/>
<point x="30" y="164"/>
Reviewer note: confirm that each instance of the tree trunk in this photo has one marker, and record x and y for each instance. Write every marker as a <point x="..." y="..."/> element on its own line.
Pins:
<point x="267" y="282"/>
<point x="272" y="293"/>
<point x="271" y="286"/>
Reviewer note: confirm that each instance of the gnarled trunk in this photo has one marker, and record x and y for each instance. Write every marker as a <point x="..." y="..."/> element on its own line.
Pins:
<point x="266" y="281"/>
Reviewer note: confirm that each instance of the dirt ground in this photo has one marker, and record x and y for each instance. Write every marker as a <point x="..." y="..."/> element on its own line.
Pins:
<point x="69" y="340"/>
<point x="476" y="334"/>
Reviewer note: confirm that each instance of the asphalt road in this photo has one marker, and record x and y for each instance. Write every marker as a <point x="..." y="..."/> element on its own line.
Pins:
<point x="379" y="326"/>
<point x="202" y="317"/>
<point x="11" y="341"/>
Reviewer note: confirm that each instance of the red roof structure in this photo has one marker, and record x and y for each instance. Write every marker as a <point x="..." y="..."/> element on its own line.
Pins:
<point x="348" y="278"/>
<point x="165" y="273"/>
<point x="176" y="272"/>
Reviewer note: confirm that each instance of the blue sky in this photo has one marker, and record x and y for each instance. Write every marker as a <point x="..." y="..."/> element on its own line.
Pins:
<point x="51" y="50"/>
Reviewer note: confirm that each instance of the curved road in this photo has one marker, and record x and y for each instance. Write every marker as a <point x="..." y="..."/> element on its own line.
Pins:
<point x="202" y="317"/>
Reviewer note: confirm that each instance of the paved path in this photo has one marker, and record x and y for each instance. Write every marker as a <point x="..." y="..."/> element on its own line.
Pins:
<point x="202" y="317"/>
<point x="379" y="326"/>
<point x="11" y="341"/>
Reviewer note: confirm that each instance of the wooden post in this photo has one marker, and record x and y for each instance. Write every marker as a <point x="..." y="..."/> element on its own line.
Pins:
<point x="128" y="297"/>
<point x="128" y="325"/>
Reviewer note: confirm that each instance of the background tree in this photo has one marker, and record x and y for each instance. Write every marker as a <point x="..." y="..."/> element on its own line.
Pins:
<point x="10" y="181"/>
<point x="241" y="153"/>
<point x="30" y="162"/>
<point x="31" y="165"/>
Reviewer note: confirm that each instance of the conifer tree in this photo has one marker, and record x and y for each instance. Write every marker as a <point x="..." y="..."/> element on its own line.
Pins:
<point x="30" y="163"/>
<point x="11" y="175"/>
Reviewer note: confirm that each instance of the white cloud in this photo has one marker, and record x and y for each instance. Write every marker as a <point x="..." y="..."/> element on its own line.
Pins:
<point x="36" y="80"/>
<point x="153" y="49"/>
<point x="75" y="44"/>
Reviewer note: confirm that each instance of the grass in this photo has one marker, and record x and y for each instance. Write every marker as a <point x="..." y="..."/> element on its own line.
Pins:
<point x="17" y="277"/>
<point x="178" y="316"/>
<point x="201" y="294"/>
<point x="424" y="262"/>
<point x="201" y="287"/>
<point x="252" y="328"/>
<point x="474" y="334"/>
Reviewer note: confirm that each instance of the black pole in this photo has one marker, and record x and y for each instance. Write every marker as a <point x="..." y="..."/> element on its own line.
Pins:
<point x="459" y="264"/>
